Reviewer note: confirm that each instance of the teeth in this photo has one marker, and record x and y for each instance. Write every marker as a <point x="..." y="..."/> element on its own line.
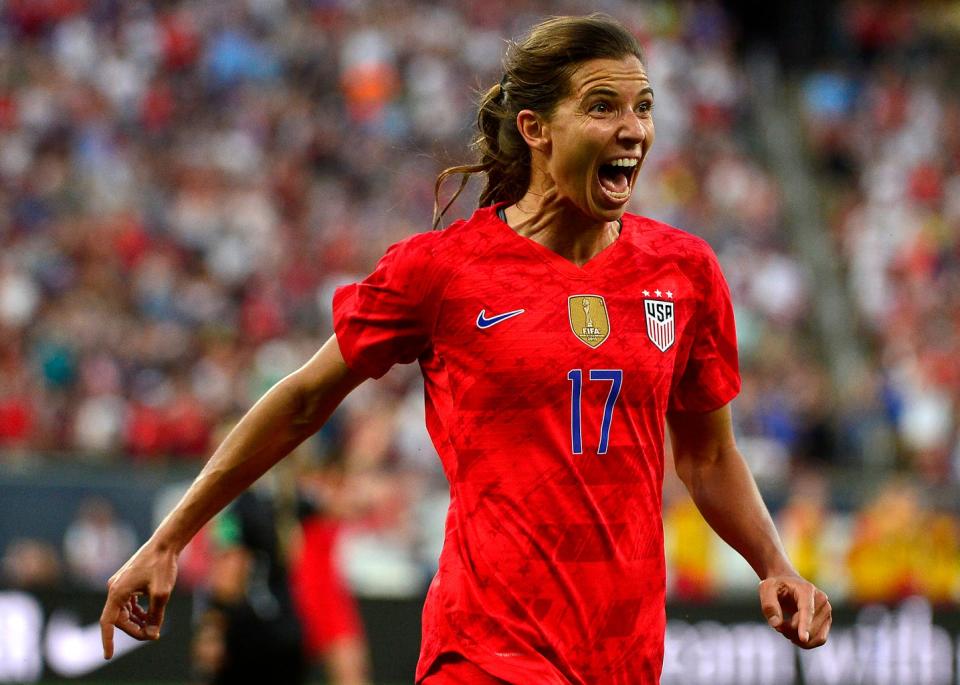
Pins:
<point x="624" y="161"/>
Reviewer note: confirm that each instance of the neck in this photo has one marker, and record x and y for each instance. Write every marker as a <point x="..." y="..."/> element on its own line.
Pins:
<point x="560" y="226"/>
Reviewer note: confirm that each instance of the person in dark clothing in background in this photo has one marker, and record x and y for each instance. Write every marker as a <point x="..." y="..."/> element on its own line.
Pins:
<point x="249" y="631"/>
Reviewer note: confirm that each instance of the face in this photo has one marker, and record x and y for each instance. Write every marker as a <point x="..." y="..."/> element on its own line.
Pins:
<point x="597" y="138"/>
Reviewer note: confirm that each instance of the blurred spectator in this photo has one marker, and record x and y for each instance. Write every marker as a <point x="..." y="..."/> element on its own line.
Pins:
<point x="30" y="565"/>
<point x="938" y="562"/>
<point x="249" y="630"/>
<point x="97" y="543"/>
<point x="334" y="635"/>
<point x="902" y="547"/>
<point x="690" y="552"/>
<point x="883" y="561"/>
<point x="802" y="523"/>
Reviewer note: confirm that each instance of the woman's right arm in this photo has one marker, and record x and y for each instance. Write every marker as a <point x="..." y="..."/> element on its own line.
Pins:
<point x="290" y="412"/>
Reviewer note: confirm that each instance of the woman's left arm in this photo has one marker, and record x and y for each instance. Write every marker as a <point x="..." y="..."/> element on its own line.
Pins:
<point x="716" y="475"/>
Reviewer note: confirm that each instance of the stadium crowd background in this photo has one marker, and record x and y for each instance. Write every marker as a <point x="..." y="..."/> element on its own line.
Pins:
<point x="184" y="183"/>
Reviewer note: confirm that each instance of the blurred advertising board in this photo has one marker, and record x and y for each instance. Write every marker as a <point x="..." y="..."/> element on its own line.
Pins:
<point x="907" y="644"/>
<point x="54" y="636"/>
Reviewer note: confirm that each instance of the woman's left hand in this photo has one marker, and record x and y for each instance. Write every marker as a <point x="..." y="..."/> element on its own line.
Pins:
<point x="796" y="609"/>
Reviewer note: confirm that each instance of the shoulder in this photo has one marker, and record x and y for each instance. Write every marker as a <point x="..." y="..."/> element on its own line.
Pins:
<point x="690" y="252"/>
<point x="666" y="239"/>
<point x="449" y="249"/>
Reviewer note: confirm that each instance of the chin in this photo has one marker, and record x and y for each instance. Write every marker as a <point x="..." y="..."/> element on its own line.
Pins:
<point x="598" y="209"/>
<point x="608" y="213"/>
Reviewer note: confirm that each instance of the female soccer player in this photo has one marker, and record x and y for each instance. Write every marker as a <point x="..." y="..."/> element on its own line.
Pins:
<point x="556" y="334"/>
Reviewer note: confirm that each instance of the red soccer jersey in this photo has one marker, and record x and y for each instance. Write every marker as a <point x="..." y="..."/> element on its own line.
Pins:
<point x="546" y="390"/>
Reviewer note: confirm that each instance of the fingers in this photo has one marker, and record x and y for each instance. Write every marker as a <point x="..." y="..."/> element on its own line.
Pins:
<point x="136" y="611"/>
<point x="820" y="636"/>
<point x="822" y="620"/>
<point x="110" y="615"/>
<point x="811" y="613"/>
<point x="770" y="602"/>
<point x="154" y="616"/>
<point x="117" y="614"/>
<point x="131" y="625"/>
<point x="131" y="618"/>
<point x="142" y="619"/>
<point x="804" y="595"/>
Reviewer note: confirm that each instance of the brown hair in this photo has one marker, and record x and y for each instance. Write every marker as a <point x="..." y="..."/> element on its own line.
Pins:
<point x="536" y="76"/>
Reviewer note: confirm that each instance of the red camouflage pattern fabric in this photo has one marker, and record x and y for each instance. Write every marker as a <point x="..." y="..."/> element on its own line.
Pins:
<point x="552" y="570"/>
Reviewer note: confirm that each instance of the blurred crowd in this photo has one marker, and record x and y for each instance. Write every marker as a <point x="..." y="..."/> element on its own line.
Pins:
<point x="883" y="123"/>
<point x="184" y="183"/>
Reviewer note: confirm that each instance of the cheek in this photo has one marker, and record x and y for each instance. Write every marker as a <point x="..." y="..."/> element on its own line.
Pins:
<point x="650" y="134"/>
<point x="576" y="169"/>
<point x="576" y="160"/>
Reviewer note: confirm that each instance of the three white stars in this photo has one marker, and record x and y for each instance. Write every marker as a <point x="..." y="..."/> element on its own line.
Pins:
<point x="658" y="293"/>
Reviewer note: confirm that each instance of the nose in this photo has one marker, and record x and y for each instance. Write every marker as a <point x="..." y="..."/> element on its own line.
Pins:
<point x="632" y="131"/>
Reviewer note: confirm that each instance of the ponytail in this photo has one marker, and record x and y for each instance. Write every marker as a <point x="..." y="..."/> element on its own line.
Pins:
<point x="503" y="155"/>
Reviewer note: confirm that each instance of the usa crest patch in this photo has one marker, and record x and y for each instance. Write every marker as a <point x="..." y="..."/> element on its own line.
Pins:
<point x="660" y="328"/>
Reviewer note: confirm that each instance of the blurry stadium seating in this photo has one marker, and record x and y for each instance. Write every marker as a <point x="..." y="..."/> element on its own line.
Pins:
<point x="183" y="184"/>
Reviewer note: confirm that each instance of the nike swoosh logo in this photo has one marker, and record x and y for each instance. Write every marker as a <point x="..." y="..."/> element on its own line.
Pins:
<point x="74" y="650"/>
<point x="484" y="322"/>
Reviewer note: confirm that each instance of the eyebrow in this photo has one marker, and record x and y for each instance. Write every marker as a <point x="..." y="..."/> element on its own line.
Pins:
<point x="610" y="92"/>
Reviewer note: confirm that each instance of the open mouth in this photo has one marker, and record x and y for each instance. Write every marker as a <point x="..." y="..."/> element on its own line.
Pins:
<point x="616" y="177"/>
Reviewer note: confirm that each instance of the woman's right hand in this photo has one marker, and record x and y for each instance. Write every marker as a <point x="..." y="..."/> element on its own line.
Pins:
<point x="151" y="572"/>
<point x="294" y="409"/>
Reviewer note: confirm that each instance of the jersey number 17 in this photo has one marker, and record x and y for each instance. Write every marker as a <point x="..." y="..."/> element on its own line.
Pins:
<point x="575" y="376"/>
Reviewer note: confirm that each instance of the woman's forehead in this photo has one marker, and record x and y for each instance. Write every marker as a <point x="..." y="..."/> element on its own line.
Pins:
<point x="624" y="72"/>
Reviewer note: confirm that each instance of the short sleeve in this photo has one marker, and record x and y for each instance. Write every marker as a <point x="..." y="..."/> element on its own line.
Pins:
<point x="711" y="375"/>
<point x="387" y="318"/>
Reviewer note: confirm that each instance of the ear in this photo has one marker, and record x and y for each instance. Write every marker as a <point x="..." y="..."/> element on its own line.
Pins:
<point x="533" y="129"/>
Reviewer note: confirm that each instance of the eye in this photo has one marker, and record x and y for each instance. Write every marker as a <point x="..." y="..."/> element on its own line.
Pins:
<point x="645" y="107"/>
<point x="600" y="107"/>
